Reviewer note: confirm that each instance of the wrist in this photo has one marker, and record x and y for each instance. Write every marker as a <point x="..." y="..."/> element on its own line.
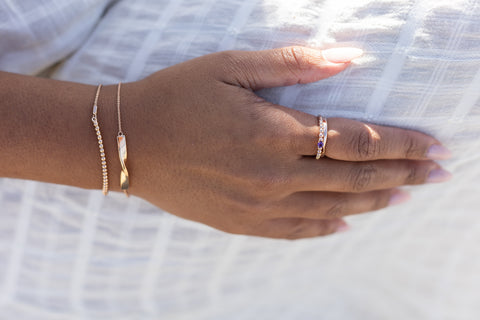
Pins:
<point x="47" y="133"/>
<point x="132" y="116"/>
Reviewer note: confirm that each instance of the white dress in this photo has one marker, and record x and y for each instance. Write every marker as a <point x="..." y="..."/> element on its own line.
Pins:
<point x="69" y="253"/>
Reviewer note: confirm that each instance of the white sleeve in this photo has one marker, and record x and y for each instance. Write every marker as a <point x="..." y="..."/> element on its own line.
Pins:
<point x="35" y="34"/>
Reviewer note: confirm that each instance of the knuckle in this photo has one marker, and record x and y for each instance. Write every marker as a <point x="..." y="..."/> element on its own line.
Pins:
<point x="413" y="175"/>
<point x="244" y="206"/>
<point x="260" y="209"/>
<point x="242" y="71"/>
<point x="363" y="177"/>
<point x="413" y="147"/>
<point x="258" y="205"/>
<point x="338" y="208"/>
<point x="295" y="59"/>
<point x="227" y="58"/>
<point x="297" y="231"/>
<point x="283" y="135"/>
<point x="380" y="200"/>
<point x="250" y="205"/>
<point x="256" y="136"/>
<point x="272" y="130"/>
<point x="366" y="145"/>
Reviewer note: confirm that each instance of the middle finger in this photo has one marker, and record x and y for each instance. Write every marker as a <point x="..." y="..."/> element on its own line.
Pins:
<point x="344" y="176"/>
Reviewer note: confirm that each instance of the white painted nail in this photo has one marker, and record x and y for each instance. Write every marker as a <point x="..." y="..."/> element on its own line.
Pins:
<point x="341" y="55"/>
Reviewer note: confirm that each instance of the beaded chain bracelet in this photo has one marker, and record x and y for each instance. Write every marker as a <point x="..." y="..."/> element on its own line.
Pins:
<point x="100" y="143"/>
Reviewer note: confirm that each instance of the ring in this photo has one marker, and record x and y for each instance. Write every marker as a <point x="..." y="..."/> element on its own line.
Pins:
<point x="322" y="136"/>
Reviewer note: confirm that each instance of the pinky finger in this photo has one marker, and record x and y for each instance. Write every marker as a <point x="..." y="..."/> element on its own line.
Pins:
<point x="299" y="228"/>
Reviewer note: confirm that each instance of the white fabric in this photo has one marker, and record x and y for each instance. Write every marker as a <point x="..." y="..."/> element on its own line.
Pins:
<point x="67" y="253"/>
<point x="37" y="33"/>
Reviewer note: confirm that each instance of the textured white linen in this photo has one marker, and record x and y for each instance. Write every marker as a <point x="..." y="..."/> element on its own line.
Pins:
<point x="34" y="34"/>
<point x="67" y="253"/>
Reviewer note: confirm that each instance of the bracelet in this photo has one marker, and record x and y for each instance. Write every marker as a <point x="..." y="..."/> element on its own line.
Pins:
<point x="100" y="143"/>
<point x="122" y="148"/>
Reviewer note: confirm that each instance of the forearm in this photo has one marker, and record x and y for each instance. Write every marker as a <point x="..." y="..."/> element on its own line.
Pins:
<point x="46" y="131"/>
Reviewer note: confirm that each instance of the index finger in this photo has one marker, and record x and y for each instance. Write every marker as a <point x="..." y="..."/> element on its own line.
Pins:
<point x="351" y="140"/>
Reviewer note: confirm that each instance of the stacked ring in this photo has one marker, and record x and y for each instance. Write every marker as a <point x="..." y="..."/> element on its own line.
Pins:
<point x="322" y="136"/>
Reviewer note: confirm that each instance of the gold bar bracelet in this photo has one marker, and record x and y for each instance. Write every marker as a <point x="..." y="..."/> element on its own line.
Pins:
<point x="122" y="149"/>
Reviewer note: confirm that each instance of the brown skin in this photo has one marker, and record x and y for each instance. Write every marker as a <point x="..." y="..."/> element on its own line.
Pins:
<point x="204" y="147"/>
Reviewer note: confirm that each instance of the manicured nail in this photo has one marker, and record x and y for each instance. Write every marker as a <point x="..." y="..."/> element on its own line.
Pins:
<point x="342" y="227"/>
<point x="438" y="175"/>
<point x="341" y="55"/>
<point x="438" y="152"/>
<point x="398" y="197"/>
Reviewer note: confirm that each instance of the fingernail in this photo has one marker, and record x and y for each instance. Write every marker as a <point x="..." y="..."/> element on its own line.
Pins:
<point x="341" y="55"/>
<point x="398" y="197"/>
<point x="438" y="152"/>
<point x="438" y="175"/>
<point x="342" y="227"/>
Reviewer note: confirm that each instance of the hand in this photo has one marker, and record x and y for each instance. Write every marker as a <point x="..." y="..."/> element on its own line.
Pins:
<point x="206" y="148"/>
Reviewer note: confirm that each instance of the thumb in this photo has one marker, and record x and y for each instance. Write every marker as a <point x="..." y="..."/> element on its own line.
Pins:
<point x="284" y="66"/>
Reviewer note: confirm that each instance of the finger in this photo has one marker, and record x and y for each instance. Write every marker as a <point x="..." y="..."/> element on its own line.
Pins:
<point x="299" y="228"/>
<point x="351" y="140"/>
<point x="283" y="66"/>
<point x="332" y="205"/>
<point x="344" y="176"/>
